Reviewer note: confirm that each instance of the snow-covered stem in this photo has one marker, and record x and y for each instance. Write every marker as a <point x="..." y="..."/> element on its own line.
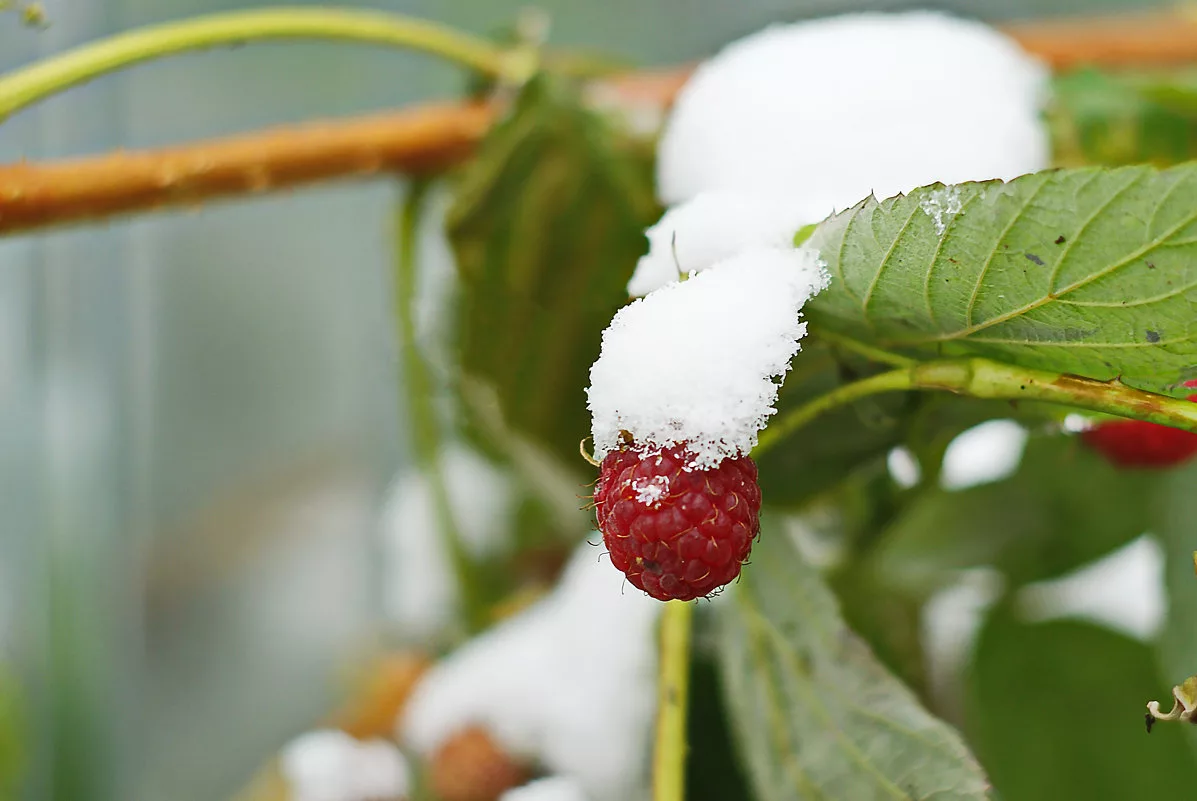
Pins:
<point x="27" y="85"/>
<point x="669" y="755"/>
<point x="982" y="378"/>
<point x="418" y="390"/>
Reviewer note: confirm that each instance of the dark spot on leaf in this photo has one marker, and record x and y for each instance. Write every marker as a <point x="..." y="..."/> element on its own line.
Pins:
<point x="1151" y="265"/>
<point x="1060" y="239"/>
<point x="952" y="260"/>
<point x="1034" y="258"/>
<point x="1153" y="336"/>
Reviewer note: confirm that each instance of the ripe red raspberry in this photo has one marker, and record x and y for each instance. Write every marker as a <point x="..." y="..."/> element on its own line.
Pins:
<point x="1134" y="443"/>
<point x="676" y="533"/>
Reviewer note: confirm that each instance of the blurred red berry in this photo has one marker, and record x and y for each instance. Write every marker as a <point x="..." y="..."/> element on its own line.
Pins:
<point x="677" y="533"/>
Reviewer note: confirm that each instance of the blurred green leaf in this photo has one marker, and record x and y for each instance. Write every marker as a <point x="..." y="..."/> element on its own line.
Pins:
<point x="1177" y="531"/>
<point x="12" y="740"/>
<point x="547" y="225"/>
<point x="1056" y="711"/>
<point x="817" y="717"/>
<point x="1088" y="271"/>
<point x="1128" y="118"/>
<point x="1065" y="506"/>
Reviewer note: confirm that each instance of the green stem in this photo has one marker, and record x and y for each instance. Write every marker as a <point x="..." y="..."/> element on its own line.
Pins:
<point x="669" y="757"/>
<point x="27" y="85"/>
<point x="982" y="378"/>
<point x="419" y="391"/>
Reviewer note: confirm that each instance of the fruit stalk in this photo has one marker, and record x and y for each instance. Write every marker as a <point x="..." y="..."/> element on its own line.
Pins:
<point x="982" y="378"/>
<point x="669" y="757"/>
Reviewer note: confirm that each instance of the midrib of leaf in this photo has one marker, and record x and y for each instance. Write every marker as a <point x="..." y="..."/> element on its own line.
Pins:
<point x="761" y="624"/>
<point x="976" y="293"/>
<point x="935" y="258"/>
<point x="868" y="297"/>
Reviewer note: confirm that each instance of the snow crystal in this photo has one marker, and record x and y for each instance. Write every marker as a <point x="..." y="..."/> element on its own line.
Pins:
<point x="831" y="110"/>
<point x="696" y="362"/>
<point x="650" y="491"/>
<point x="570" y="682"/>
<point x="711" y="228"/>
<point x="551" y="788"/>
<point x="941" y="205"/>
<point x="421" y="593"/>
<point x="329" y="765"/>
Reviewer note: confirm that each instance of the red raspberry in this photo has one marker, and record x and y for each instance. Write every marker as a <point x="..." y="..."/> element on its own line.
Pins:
<point x="677" y="533"/>
<point x="1134" y="443"/>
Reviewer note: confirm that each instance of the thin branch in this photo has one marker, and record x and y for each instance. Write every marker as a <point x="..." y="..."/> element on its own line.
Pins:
<point x="982" y="378"/>
<point x="420" y="141"/>
<point x="431" y="139"/>
<point x="28" y="85"/>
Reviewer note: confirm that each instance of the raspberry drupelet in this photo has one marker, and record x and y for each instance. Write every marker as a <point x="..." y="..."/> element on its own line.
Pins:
<point x="676" y="533"/>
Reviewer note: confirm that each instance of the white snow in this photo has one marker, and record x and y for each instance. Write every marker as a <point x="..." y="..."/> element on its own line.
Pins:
<point x="551" y="788"/>
<point x="903" y="467"/>
<point x="708" y="229"/>
<point x="1123" y="590"/>
<point x="329" y="765"/>
<point x="696" y="361"/>
<point x="830" y="110"/>
<point x="984" y="453"/>
<point x="420" y="590"/>
<point x="570" y="682"/>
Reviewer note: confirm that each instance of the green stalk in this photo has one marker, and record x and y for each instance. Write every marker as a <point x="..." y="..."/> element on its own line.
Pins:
<point x="419" y="390"/>
<point x="982" y="378"/>
<point x="27" y="85"/>
<point x="669" y="756"/>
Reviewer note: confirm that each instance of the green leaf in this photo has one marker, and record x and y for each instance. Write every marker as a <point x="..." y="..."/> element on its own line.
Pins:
<point x="1056" y="711"/>
<point x="1089" y="271"/>
<point x="817" y="717"/>
<point x="1064" y="507"/>
<point x="547" y="225"/>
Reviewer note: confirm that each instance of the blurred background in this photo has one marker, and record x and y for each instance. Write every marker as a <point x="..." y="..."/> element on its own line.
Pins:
<point x="199" y="413"/>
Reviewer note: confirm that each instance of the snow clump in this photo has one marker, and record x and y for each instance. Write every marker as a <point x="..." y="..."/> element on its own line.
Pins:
<point x="830" y="110"/>
<point x="697" y="362"/>
<point x="569" y="683"/>
<point x="710" y="228"/>
<point x="421" y="592"/>
<point x="550" y="788"/>
<point x="329" y="765"/>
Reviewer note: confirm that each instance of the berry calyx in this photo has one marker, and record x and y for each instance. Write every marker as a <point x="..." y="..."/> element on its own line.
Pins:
<point x="676" y="532"/>
<point x="1135" y="443"/>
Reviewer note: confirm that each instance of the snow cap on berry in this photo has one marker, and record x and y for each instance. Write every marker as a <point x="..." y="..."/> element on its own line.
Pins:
<point x="695" y="362"/>
<point x="831" y="110"/>
<point x="710" y="228"/>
